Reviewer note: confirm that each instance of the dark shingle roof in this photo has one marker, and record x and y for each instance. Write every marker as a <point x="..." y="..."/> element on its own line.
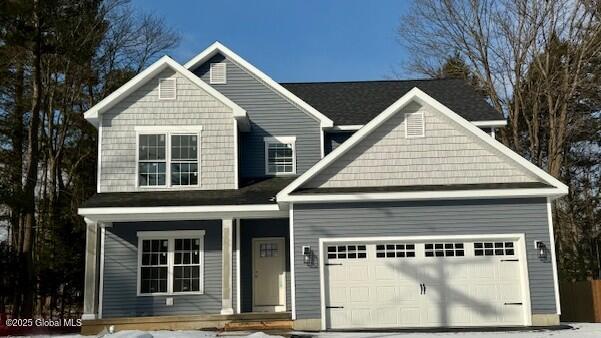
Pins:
<point x="254" y="191"/>
<point x="351" y="103"/>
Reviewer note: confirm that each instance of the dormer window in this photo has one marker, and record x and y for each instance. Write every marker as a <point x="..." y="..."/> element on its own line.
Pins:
<point x="218" y="73"/>
<point x="415" y="125"/>
<point x="280" y="155"/>
<point x="167" y="88"/>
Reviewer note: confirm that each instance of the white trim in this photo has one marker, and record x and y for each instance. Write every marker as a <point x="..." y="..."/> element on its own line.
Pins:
<point x="280" y="140"/>
<point x="168" y="129"/>
<point x="491" y="123"/>
<point x="236" y="164"/>
<point x="217" y="47"/>
<point x="99" y="157"/>
<point x="238" y="293"/>
<point x="520" y="237"/>
<point x="174" y="79"/>
<point x="92" y="114"/>
<point x="553" y="256"/>
<point x="406" y="122"/>
<point x="322" y="145"/>
<point x="217" y="65"/>
<point x="101" y="271"/>
<point x="345" y="127"/>
<point x="292" y="250"/>
<point x="177" y="209"/>
<point x="170" y="236"/>
<point x="423" y="195"/>
<point x="416" y="94"/>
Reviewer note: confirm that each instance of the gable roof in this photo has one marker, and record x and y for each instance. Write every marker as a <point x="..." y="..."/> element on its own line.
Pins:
<point x="93" y="114"/>
<point x="358" y="102"/>
<point x="556" y="187"/>
<point x="218" y="48"/>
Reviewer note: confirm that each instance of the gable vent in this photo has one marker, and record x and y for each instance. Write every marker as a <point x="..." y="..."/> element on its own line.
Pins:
<point x="167" y="89"/>
<point x="218" y="73"/>
<point x="415" y="125"/>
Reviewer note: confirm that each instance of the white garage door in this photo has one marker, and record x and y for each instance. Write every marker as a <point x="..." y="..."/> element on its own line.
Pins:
<point x="435" y="283"/>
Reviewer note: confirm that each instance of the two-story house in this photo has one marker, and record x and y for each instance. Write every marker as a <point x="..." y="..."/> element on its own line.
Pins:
<point x="338" y="205"/>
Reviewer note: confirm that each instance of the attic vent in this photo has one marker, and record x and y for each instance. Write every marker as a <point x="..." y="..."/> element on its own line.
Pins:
<point x="414" y="125"/>
<point x="167" y="89"/>
<point x="218" y="73"/>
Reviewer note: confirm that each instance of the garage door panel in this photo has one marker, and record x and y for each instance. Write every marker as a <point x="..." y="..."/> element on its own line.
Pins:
<point x="359" y="294"/>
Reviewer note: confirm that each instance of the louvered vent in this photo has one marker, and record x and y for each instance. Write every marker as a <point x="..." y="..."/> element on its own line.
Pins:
<point x="167" y="89"/>
<point x="218" y="73"/>
<point x="414" y="125"/>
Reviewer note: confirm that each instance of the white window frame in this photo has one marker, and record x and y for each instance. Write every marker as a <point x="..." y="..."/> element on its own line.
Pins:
<point x="218" y="64"/>
<point x="280" y="140"/>
<point x="423" y="134"/>
<point x="174" y="79"/>
<point x="167" y="131"/>
<point x="170" y="236"/>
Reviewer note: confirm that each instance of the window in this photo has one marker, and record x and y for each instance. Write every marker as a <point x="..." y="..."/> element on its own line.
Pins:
<point x="268" y="249"/>
<point x="444" y="249"/>
<point x="168" y="158"/>
<point x="494" y="249"/>
<point x="395" y="250"/>
<point x="351" y="251"/>
<point x="280" y="157"/>
<point x="151" y="160"/>
<point x="218" y="73"/>
<point x="170" y="262"/>
<point x="415" y="125"/>
<point x="167" y="89"/>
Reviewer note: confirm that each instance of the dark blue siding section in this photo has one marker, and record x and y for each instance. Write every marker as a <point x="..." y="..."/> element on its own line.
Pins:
<point x="333" y="140"/>
<point x="270" y="115"/>
<point x="377" y="219"/>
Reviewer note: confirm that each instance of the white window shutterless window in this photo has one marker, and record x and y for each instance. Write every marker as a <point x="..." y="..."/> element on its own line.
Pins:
<point x="280" y="155"/>
<point x="168" y="156"/>
<point x="170" y="262"/>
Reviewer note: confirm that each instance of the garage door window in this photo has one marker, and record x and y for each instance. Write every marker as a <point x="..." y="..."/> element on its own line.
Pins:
<point x="444" y="249"/>
<point x="395" y="250"/>
<point x="494" y="249"/>
<point x="350" y="251"/>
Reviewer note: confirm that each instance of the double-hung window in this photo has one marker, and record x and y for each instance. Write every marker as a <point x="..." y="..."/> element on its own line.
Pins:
<point x="280" y="155"/>
<point x="168" y="157"/>
<point x="170" y="262"/>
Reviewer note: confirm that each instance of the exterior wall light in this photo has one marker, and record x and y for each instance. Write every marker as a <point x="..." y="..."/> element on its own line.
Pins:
<point x="541" y="248"/>
<point x="307" y="255"/>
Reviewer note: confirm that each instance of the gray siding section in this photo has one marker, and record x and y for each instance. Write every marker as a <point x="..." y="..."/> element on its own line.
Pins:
<point x="270" y="115"/>
<point x="193" y="106"/>
<point x="447" y="154"/>
<point x="257" y="228"/>
<point x="528" y="216"/>
<point x="120" y="272"/>
<point x="333" y="140"/>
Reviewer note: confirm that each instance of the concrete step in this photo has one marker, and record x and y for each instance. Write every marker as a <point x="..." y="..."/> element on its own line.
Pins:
<point x="254" y="325"/>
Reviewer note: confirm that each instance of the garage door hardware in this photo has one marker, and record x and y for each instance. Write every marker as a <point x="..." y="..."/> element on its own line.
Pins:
<point x="513" y="303"/>
<point x="327" y="264"/>
<point x="334" y="307"/>
<point x="422" y="289"/>
<point x="510" y="260"/>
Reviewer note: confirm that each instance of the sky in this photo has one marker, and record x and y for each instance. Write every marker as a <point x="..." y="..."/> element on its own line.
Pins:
<point x="293" y="40"/>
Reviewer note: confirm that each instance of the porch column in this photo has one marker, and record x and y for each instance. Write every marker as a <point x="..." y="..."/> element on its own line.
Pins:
<point x="90" y="290"/>
<point x="227" y="226"/>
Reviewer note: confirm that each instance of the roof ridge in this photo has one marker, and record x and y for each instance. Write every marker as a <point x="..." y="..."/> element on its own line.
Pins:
<point x="370" y="81"/>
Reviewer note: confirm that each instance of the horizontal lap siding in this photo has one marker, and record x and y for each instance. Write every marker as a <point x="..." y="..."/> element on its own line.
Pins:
<point x="428" y="218"/>
<point x="446" y="155"/>
<point x="120" y="272"/>
<point x="193" y="106"/>
<point x="270" y="115"/>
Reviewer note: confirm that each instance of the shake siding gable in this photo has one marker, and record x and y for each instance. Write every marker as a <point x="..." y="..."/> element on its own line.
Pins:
<point x="270" y="115"/>
<point x="447" y="154"/>
<point x="192" y="106"/>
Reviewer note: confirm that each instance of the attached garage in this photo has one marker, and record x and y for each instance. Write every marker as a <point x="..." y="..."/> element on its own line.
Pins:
<point x="453" y="281"/>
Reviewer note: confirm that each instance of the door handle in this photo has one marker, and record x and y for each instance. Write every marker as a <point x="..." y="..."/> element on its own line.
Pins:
<point x="425" y="289"/>
<point x="421" y="288"/>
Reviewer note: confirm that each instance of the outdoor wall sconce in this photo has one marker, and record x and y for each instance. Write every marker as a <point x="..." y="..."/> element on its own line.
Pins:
<point x="541" y="248"/>
<point x="307" y="255"/>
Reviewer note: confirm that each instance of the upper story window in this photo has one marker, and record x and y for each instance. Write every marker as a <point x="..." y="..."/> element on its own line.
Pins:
<point x="280" y="155"/>
<point x="218" y="73"/>
<point x="415" y="125"/>
<point x="167" y="88"/>
<point x="168" y="157"/>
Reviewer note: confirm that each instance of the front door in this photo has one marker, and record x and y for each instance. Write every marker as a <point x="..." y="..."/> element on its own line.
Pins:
<point x="269" y="275"/>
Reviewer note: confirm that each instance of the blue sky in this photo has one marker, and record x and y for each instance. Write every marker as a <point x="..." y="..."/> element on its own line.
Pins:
<point x="293" y="40"/>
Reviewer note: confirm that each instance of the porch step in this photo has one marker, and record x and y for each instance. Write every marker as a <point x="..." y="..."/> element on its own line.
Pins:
<point x="251" y="325"/>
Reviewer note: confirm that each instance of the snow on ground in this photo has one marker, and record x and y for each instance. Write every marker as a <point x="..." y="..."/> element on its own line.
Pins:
<point x="580" y="330"/>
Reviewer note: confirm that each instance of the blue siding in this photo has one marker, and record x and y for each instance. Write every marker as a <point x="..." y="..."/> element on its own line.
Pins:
<point x="270" y="115"/>
<point x="371" y="219"/>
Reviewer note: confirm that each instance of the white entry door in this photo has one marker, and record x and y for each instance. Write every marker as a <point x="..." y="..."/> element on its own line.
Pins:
<point x="269" y="275"/>
<point x="436" y="283"/>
